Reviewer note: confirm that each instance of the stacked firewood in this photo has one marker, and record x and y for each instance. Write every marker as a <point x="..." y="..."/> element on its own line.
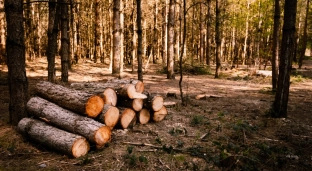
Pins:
<point x="68" y="119"/>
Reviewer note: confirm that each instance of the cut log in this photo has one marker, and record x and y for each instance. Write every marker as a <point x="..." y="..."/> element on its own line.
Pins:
<point x="139" y="85"/>
<point x="109" y="116"/>
<point x="94" y="131"/>
<point x="170" y="104"/>
<point x="110" y="96"/>
<point x="143" y="116"/>
<point x="77" y="101"/>
<point x="153" y="102"/>
<point x="160" y="115"/>
<point x="135" y="104"/>
<point x="122" y="89"/>
<point x="127" y="118"/>
<point x="65" y="142"/>
<point x="206" y="96"/>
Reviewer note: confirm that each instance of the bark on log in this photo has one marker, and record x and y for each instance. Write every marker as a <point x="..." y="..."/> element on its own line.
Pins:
<point x="135" y="104"/>
<point x="127" y="118"/>
<point x="65" y="142"/>
<point x="143" y="116"/>
<point x="77" y="101"/>
<point x="139" y="85"/>
<point x="109" y="116"/>
<point x="94" y="131"/>
<point x="160" y="115"/>
<point x="153" y="102"/>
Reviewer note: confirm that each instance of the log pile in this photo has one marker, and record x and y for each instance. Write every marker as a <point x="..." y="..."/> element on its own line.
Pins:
<point x="71" y="119"/>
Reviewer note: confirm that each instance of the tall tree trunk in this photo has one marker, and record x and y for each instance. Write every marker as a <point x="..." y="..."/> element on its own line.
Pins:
<point x="116" y="37"/>
<point x="304" y="37"/>
<point x="139" y="15"/>
<point x="155" y="35"/>
<point x="134" y="38"/>
<point x="28" y="29"/>
<point x="246" y="34"/>
<point x="170" y="45"/>
<point x="218" y="40"/>
<point x="201" y="33"/>
<point x="15" y="47"/>
<point x="97" y="30"/>
<point x="53" y="29"/>
<point x="276" y="35"/>
<point x="64" y="41"/>
<point x="122" y="31"/>
<point x="164" y="33"/>
<point x="287" y="53"/>
<point x="208" y="34"/>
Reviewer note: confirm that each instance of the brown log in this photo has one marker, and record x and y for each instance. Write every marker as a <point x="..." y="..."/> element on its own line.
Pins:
<point x="94" y="131"/>
<point x="65" y="142"/>
<point x="110" y="96"/>
<point x="135" y="104"/>
<point x="143" y="116"/>
<point x="127" y="118"/>
<point x="160" y="115"/>
<point x="77" y="101"/>
<point x="109" y="116"/>
<point x="122" y="89"/>
<point x="139" y="85"/>
<point x="153" y="102"/>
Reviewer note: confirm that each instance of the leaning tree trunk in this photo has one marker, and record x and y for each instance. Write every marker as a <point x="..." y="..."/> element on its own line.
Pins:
<point x="15" y="49"/>
<point x="287" y="53"/>
<point x="65" y="142"/>
<point x="94" y="131"/>
<point x="77" y="101"/>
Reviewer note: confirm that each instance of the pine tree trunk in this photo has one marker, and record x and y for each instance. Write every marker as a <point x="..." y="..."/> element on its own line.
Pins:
<point x="276" y="36"/>
<point x="287" y="53"/>
<point x="65" y="142"/>
<point x="64" y="42"/>
<point x="304" y="37"/>
<point x="164" y="33"/>
<point x="218" y="39"/>
<point x="116" y="37"/>
<point x="94" y="131"/>
<point x="139" y="53"/>
<point x="15" y="48"/>
<point x="170" y="46"/>
<point x="77" y="101"/>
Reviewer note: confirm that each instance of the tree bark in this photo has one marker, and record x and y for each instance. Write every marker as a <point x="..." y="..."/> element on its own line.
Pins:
<point x="64" y="41"/>
<point x="275" y="50"/>
<point x="97" y="30"/>
<point x="94" y="131"/>
<point x="116" y="37"/>
<point x="164" y="33"/>
<point x="304" y="37"/>
<point x="15" y="49"/>
<point x="139" y="53"/>
<point x="287" y="53"/>
<point x="53" y="29"/>
<point x="109" y="116"/>
<point x="170" y="45"/>
<point x="218" y="39"/>
<point x="65" y="142"/>
<point x="77" y="101"/>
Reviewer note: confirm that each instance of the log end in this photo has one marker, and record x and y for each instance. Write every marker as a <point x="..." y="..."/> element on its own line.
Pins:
<point x="139" y="86"/>
<point x="110" y="96"/>
<point x="103" y="136"/>
<point x="144" y="116"/>
<point x="160" y="115"/>
<point x="80" y="147"/>
<point x="157" y="103"/>
<point x="94" y="106"/>
<point x="111" y="117"/>
<point x="127" y="118"/>
<point x="137" y="104"/>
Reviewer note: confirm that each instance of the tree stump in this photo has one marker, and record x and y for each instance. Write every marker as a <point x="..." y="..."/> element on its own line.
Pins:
<point x="65" y="142"/>
<point x="77" y="101"/>
<point x="94" y="131"/>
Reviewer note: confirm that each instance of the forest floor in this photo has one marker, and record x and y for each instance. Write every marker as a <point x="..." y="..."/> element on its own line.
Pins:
<point x="229" y="130"/>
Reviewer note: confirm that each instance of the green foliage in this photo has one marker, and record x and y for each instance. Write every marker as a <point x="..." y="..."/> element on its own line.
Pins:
<point x="297" y="77"/>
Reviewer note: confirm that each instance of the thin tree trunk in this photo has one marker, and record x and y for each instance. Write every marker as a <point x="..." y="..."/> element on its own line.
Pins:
<point x="164" y="33"/>
<point x="246" y="34"/>
<point x="15" y="47"/>
<point x="218" y="39"/>
<point x="170" y="45"/>
<point x="276" y="35"/>
<point x="287" y="53"/>
<point x="202" y="33"/>
<point x="208" y="34"/>
<point x="116" y="37"/>
<point x="97" y="30"/>
<point x="304" y="37"/>
<point x="139" y="14"/>
<point x="122" y="28"/>
<point x="134" y="38"/>
<point x="64" y="41"/>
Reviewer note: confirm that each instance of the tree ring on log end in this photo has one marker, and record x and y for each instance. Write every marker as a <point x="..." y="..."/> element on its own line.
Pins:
<point x="110" y="96"/>
<point x="80" y="148"/>
<point x="111" y="117"/>
<point x="94" y="106"/>
<point x="102" y="136"/>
